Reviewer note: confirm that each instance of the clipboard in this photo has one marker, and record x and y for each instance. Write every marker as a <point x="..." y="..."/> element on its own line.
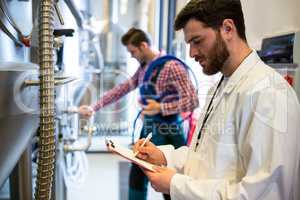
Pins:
<point x="128" y="155"/>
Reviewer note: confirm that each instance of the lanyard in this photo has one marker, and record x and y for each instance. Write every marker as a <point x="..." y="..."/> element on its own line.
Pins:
<point x="208" y="111"/>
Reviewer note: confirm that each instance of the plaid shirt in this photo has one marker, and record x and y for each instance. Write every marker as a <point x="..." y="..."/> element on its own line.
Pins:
<point x="172" y="79"/>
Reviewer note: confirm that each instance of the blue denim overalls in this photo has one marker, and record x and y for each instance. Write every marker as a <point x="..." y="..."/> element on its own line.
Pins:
<point x="165" y="129"/>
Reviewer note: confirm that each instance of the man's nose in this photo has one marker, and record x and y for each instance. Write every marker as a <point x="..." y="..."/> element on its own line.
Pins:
<point x="193" y="52"/>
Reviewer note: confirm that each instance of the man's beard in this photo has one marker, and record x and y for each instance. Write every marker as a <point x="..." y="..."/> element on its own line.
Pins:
<point x="217" y="56"/>
<point x="142" y="59"/>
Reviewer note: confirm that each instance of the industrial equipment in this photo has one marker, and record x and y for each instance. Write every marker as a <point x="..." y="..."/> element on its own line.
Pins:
<point x="52" y="60"/>
<point x="283" y="53"/>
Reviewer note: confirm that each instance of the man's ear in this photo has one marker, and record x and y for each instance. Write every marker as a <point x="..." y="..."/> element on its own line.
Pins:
<point x="227" y="28"/>
<point x="144" y="45"/>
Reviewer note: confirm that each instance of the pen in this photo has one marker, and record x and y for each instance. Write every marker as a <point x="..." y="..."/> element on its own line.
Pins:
<point x="112" y="144"/>
<point x="109" y="142"/>
<point x="149" y="136"/>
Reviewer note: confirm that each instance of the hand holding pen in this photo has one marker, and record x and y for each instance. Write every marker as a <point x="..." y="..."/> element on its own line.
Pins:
<point x="146" y="150"/>
<point x="147" y="139"/>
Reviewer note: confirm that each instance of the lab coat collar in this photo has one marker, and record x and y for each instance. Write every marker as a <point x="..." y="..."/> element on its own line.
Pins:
<point x="249" y="62"/>
<point x="240" y="73"/>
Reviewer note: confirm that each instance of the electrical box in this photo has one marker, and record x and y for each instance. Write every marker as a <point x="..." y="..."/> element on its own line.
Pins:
<point x="283" y="53"/>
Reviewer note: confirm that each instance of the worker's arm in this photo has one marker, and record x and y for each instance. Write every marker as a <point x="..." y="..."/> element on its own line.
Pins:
<point x="111" y="96"/>
<point x="184" y="97"/>
<point x="117" y="92"/>
<point x="268" y="158"/>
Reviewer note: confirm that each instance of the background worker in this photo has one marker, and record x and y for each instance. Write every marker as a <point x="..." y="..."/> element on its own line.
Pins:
<point x="165" y="90"/>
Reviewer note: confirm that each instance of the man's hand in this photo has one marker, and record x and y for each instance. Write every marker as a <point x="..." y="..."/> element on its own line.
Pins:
<point x="161" y="179"/>
<point x="150" y="153"/>
<point x="86" y="111"/>
<point x="152" y="107"/>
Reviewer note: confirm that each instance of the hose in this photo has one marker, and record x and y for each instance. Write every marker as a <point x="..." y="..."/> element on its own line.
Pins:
<point x="75" y="169"/>
<point x="46" y="155"/>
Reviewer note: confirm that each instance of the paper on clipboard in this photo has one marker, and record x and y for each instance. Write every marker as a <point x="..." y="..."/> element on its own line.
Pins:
<point x="129" y="155"/>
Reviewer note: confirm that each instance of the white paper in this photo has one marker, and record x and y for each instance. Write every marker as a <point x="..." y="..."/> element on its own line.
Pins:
<point x="129" y="155"/>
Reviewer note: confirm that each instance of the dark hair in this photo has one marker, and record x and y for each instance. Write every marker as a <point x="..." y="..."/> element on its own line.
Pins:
<point x="135" y="37"/>
<point x="212" y="13"/>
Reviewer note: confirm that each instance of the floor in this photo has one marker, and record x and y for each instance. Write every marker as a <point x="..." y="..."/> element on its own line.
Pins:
<point x="102" y="180"/>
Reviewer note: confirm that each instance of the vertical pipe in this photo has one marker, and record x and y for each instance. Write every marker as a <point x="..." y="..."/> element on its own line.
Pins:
<point x="21" y="178"/>
<point x="46" y="156"/>
<point x="161" y="23"/>
<point x="77" y="15"/>
<point x="171" y="16"/>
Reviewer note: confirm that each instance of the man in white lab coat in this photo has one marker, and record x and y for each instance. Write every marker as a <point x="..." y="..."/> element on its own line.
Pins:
<point x="245" y="145"/>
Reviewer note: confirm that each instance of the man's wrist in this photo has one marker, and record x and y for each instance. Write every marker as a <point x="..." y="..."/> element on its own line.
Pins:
<point x="167" y="151"/>
<point x="159" y="107"/>
<point x="164" y="159"/>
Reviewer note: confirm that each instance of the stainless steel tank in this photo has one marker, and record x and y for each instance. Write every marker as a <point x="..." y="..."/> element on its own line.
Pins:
<point x="113" y="119"/>
<point x="19" y="114"/>
<point x="21" y="14"/>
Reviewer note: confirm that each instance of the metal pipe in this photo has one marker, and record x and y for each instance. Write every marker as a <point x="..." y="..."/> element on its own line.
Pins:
<point x="61" y="19"/>
<point x="21" y="177"/>
<point x="7" y="27"/>
<point x="70" y="148"/>
<point x="77" y="15"/>
<point x="57" y="81"/>
<point x="161" y="23"/>
<point x="46" y="155"/>
<point x="171" y="16"/>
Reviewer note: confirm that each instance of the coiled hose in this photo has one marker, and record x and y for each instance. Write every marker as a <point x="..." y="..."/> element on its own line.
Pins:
<point x="46" y="155"/>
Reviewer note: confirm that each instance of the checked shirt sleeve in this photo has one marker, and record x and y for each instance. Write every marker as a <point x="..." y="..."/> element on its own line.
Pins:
<point x="117" y="92"/>
<point x="174" y="79"/>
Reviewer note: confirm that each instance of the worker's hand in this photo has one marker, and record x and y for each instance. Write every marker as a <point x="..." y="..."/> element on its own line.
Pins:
<point x="161" y="179"/>
<point x="152" y="107"/>
<point x="149" y="152"/>
<point x="86" y="111"/>
<point x="109" y="146"/>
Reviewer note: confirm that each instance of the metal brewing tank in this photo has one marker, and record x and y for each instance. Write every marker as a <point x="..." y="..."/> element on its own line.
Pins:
<point x="113" y="118"/>
<point x="19" y="115"/>
<point x="18" y="104"/>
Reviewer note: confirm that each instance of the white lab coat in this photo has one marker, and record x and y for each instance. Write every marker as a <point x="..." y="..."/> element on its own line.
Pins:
<point x="249" y="147"/>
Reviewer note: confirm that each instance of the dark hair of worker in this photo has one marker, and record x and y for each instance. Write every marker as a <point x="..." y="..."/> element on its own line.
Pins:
<point x="205" y="11"/>
<point x="135" y="37"/>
